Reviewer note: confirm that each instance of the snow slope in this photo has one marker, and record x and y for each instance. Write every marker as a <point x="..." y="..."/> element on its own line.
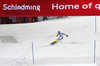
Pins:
<point x="78" y="48"/>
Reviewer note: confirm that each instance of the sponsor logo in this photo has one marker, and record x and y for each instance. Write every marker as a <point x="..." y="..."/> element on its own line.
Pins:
<point x="21" y="7"/>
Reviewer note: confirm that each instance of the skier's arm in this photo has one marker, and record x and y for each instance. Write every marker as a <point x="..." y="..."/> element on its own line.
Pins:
<point x="65" y="34"/>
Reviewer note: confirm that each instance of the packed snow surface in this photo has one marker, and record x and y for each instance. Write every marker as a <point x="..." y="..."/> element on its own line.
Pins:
<point x="75" y="50"/>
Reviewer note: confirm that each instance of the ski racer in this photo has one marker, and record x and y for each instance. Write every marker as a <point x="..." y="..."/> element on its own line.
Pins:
<point x="59" y="38"/>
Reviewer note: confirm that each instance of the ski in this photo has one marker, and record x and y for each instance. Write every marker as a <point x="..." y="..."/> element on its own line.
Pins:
<point x="52" y="43"/>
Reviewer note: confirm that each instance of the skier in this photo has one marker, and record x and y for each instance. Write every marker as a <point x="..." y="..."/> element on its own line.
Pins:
<point x="59" y="38"/>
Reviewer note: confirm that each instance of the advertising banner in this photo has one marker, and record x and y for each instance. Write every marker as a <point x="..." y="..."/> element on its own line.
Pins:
<point x="49" y="7"/>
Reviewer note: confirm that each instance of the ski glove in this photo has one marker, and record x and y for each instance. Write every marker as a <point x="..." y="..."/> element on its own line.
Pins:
<point x="56" y="35"/>
<point x="66" y="35"/>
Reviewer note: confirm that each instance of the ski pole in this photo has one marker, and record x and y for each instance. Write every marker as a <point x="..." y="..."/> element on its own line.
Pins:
<point x="70" y="32"/>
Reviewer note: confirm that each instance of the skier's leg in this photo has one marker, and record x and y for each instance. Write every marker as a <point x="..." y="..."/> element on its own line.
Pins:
<point x="56" y="41"/>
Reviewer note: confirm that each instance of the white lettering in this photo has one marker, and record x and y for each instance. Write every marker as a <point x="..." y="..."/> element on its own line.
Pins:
<point x="38" y="7"/>
<point x="61" y="7"/>
<point x="9" y="7"/>
<point x="27" y="7"/>
<point x="90" y="5"/>
<point x="97" y="6"/>
<point x="21" y="7"/>
<point x="5" y="8"/>
<point x="68" y="6"/>
<point x="54" y="6"/>
<point x="76" y="6"/>
<point x="85" y="6"/>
